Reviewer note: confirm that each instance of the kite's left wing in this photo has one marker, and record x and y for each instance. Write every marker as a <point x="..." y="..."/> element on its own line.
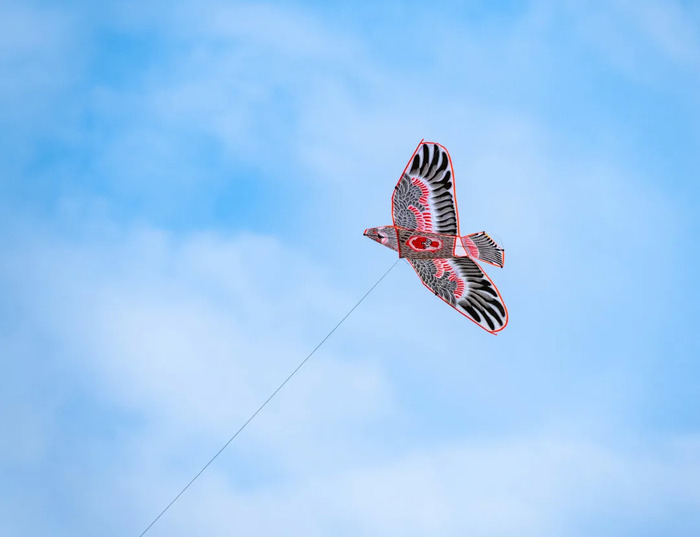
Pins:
<point x="461" y="283"/>
<point x="424" y="198"/>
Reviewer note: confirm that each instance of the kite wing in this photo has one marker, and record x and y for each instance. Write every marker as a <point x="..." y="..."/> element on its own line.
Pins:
<point x="461" y="283"/>
<point x="424" y="198"/>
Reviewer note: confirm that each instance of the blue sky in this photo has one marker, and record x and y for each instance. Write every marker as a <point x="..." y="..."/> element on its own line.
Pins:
<point x="183" y="190"/>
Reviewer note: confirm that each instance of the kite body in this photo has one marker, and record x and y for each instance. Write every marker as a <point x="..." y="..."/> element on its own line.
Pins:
<point x="426" y="233"/>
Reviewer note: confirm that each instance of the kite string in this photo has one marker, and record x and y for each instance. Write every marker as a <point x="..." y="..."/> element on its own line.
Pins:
<point x="268" y="399"/>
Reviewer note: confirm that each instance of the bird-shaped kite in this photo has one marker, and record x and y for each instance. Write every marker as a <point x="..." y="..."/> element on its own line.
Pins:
<point x="426" y="233"/>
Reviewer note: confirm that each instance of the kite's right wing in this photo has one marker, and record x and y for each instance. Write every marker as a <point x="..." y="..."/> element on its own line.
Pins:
<point x="461" y="283"/>
<point x="424" y="198"/>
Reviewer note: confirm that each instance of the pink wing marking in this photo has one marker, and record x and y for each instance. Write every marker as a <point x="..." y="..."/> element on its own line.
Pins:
<point x="443" y="267"/>
<point x="470" y="247"/>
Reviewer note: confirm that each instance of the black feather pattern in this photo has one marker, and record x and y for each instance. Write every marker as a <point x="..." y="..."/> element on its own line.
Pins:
<point x="431" y="165"/>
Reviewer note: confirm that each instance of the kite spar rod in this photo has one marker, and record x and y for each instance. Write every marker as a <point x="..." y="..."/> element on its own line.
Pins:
<point x="268" y="400"/>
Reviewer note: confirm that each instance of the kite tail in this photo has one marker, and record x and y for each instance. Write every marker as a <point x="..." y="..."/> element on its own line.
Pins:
<point x="482" y="247"/>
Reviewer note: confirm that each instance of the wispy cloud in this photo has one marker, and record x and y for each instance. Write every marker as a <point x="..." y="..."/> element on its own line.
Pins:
<point x="187" y="192"/>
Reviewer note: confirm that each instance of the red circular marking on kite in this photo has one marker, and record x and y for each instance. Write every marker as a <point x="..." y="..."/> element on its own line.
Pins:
<point x="420" y="243"/>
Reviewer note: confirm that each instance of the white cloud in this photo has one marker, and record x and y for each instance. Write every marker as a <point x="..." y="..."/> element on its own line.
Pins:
<point x="640" y="38"/>
<point x="182" y="335"/>
<point x="531" y="486"/>
<point x="188" y="335"/>
<point x="669" y="26"/>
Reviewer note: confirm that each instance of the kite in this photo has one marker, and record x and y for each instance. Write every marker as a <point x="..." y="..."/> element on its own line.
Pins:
<point x="426" y="233"/>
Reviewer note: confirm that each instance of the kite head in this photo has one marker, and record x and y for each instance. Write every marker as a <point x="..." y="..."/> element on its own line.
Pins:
<point x="385" y="235"/>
